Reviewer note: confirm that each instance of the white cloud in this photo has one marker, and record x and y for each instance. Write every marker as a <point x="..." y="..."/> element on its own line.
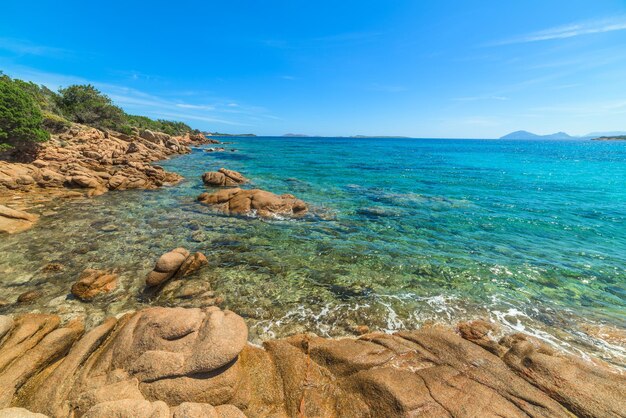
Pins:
<point x="569" y="31"/>
<point x="169" y="106"/>
<point x="22" y="47"/>
<point x="197" y="107"/>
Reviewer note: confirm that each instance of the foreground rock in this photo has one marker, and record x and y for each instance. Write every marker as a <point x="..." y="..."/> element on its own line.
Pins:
<point x="163" y="362"/>
<point x="177" y="262"/>
<point x="92" y="283"/>
<point x="254" y="202"/>
<point x="13" y="221"/>
<point x="223" y="177"/>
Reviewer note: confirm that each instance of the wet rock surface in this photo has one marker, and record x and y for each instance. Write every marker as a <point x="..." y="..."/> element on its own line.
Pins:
<point x="254" y="202"/>
<point x="92" y="283"/>
<point x="197" y="363"/>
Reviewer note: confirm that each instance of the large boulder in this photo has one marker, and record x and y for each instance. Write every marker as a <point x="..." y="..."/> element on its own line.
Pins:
<point x="13" y="221"/>
<point x="223" y="177"/>
<point x="254" y="202"/>
<point x="92" y="283"/>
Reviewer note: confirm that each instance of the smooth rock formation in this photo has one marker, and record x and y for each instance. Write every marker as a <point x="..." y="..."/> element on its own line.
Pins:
<point x="13" y="220"/>
<point x="255" y="202"/>
<point x="176" y="362"/>
<point x="166" y="266"/>
<point x="223" y="177"/>
<point x="19" y="413"/>
<point x="92" y="283"/>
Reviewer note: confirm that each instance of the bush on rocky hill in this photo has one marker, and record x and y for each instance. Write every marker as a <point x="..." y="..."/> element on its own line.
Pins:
<point x="20" y="118"/>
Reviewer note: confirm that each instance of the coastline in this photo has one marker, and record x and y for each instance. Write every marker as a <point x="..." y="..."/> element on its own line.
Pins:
<point x="308" y="376"/>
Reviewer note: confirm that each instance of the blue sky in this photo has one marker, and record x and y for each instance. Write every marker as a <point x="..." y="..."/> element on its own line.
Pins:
<point x="460" y="68"/>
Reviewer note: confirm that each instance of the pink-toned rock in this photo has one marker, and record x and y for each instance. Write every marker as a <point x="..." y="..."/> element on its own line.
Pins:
<point x="254" y="202"/>
<point x="178" y="362"/>
<point x="129" y="408"/>
<point x="166" y="266"/>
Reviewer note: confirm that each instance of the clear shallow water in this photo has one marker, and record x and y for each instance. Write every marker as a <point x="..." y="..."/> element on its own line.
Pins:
<point x="401" y="231"/>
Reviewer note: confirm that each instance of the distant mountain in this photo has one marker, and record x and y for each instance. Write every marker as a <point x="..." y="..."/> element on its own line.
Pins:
<point x="296" y="136"/>
<point x="529" y="135"/>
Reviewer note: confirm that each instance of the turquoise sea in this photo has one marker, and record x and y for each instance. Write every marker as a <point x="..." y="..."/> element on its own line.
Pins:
<point x="401" y="232"/>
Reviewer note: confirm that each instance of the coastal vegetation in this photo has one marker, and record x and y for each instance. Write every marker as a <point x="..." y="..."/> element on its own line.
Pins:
<point x="30" y="112"/>
<point x="21" y="118"/>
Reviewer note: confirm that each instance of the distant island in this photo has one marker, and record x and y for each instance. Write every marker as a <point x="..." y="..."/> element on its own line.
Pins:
<point x="525" y="135"/>
<point x="223" y="134"/>
<point x="611" y="138"/>
<point x="352" y="136"/>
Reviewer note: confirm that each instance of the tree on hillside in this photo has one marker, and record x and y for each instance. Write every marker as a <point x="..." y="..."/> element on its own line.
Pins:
<point x="86" y="104"/>
<point x="20" y="118"/>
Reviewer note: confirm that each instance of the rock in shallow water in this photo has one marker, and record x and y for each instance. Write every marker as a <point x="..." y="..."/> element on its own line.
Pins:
<point x="92" y="283"/>
<point x="250" y="202"/>
<point x="29" y="296"/>
<point x="13" y="221"/>
<point x="176" y="263"/>
<point x="223" y="177"/>
<point x="166" y="266"/>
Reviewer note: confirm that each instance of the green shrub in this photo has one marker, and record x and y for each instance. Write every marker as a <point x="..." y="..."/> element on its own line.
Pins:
<point x="86" y="104"/>
<point x="47" y="100"/>
<point x="125" y="129"/>
<point x="166" y="126"/>
<point x="55" y="123"/>
<point x="20" y="117"/>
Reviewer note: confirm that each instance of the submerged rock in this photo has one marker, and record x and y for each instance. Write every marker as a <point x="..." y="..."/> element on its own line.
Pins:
<point x="254" y="202"/>
<point x="92" y="283"/>
<point x="13" y="221"/>
<point x="223" y="177"/>
<point x="29" y="296"/>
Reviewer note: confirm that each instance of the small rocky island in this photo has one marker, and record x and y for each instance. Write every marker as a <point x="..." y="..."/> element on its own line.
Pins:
<point x="611" y="138"/>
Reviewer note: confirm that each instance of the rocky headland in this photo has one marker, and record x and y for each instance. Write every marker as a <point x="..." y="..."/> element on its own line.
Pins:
<point x="85" y="161"/>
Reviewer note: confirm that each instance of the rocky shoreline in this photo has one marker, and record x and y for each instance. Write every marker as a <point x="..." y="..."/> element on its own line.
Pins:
<point x="197" y="362"/>
<point x="84" y="161"/>
<point x="163" y="362"/>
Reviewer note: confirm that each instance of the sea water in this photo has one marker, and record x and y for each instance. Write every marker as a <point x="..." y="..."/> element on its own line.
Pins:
<point x="400" y="232"/>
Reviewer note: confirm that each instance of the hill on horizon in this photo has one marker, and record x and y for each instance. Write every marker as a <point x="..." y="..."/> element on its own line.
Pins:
<point x="525" y="135"/>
